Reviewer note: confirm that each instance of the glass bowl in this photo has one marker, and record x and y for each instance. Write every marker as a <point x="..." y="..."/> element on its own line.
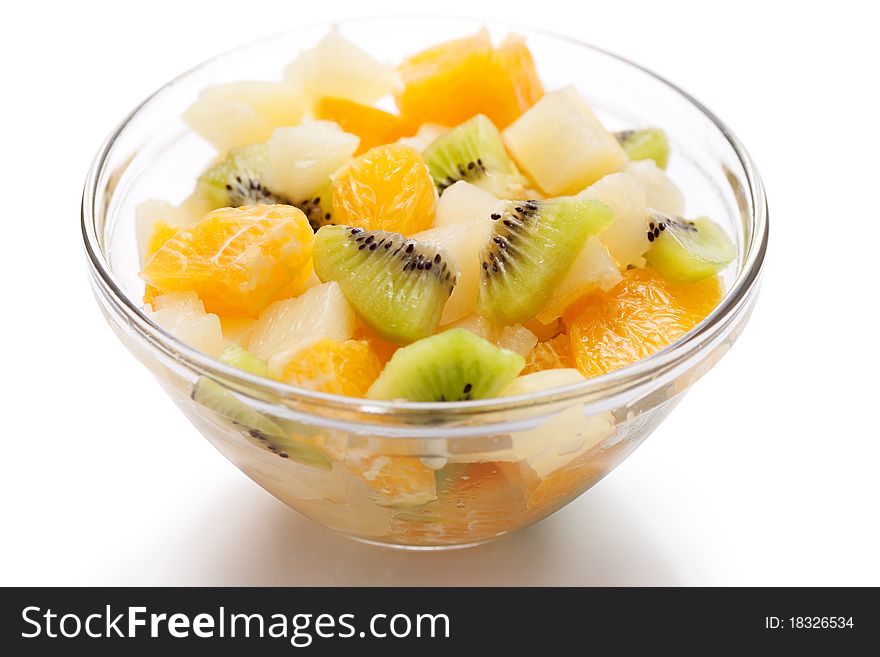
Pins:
<point x="425" y="475"/>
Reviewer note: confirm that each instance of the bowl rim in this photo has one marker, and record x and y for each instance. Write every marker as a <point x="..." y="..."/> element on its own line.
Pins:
<point x="617" y="382"/>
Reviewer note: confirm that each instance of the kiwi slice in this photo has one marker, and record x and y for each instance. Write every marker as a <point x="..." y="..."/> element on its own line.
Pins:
<point x="686" y="251"/>
<point x="647" y="144"/>
<point x="244" y="360"/>
<point x="455" y="365"/>
<point x="397" y="285"/>
<point x="474" y="152"/>
<point x="531" y="247"/>
<point x="237" y="181"/>
<point x="258" y="427"/>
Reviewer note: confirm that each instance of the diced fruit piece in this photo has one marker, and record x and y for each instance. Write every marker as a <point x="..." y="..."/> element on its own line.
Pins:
<point x="626" y="237"/>
<point x="300" y="159"/>
<point x="383" y="349"/>
<point x="386" y="188"/>
<point x="423" y="137"/>
<point x="455" y="365"/>
<point x="183" y="315"/>
<point x="373" y="125"/>
<point x="398" y="286"/>
<point x="661" y="194"/>
<point x="592" y="269"/>
<point x="155" y="222"/>
<point x="474" y="152"/>
<point x="235" y="114"/>
<point x="338" y="368"/>
<point x="162" y="232"/>
<point x="545" y="331"/>
<point x="259" y="427"/>
<point x="532" y="247"/>
<point x="238" y="180"/>
<point x="237" y="330"/>
<point x="688" y="251"/>
<point x="236" y="260"/>
<point x="567" y="435"/>
<point x="287" y="327"/>
<point x="337" y="67"/>
<point x="241" y="358"/>
<point x="554" y="353"/>
<point x="475" y="502"/>
<point x="640" y="316"/>
<point x="463" y="201"/>
<point x="400" y="481"/>
<point x="561" y="145"/>
<point x="516" y="338"/>
<point x="476" y="324"/>
<point x="453" y="81"/>
<point x="647" y="144"/>
<point x="463" y="242"/>
<point x="319" y="208"/>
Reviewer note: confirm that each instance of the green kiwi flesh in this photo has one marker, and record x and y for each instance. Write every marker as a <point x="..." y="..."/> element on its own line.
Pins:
<point x="398" y="286"/>
<point x="531" y="247"/>
<point x="257" y="426"/>
<point x="647" y="144"/>
<point x="455" y="365"/>
<point x="474" y="152"/>
<point x="686" y="251"/>
<point x="237" y="181"/>
<point x="244" y="360"/>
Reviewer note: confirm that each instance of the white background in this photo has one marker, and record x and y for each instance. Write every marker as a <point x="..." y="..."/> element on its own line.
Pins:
<point x="767" y="473"/>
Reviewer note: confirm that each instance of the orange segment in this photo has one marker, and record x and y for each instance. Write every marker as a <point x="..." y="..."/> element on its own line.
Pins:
<point x="374" y="126"/>
<point x="235" y="259"/>
<point x="639" y="316"/>
<point x="162" y="232"/>
<point x="475" y="501"/>
<point x="395" y="480"/>
<point x="383" y="349"/>
<point x="453" y="81"/>
<point x="338" y="368"/>
<point x="386" y="188"/>
<point x="550" y="354"/>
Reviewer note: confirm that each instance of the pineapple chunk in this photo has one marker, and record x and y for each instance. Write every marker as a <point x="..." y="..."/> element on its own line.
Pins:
<point x="660" y="192"/>
<point x="183" y="315"/>
<point x="338" y="68"/>
<point x="286" y="327"/>
<point x="300" y="159"/>
<point x="235" y="114"/>
<point x="463" y="241"/>
<point x="561" y="144"/>
<point x="627" y="236"/>
<point x="463" y="201"/>
<point x="593" y="268"/>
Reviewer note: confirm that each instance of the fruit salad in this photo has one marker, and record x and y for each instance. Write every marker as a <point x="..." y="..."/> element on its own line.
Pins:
<point x="442" y="229"/>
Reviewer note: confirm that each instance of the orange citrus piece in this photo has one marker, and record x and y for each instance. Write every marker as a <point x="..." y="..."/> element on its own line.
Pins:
<point x="338" y="368"/>
<point x="374" y="126"/>
<point x="451" y="82"/>
<point x="550" y="354"/>
<point x="636" y="318"/>
<point x="162" y="232"/>
<point x="235" y="259"/>
<point x="475" y="501"/>
<point x="395" y="480"/>
<point x="386" y="188"/>
<point x="383" y="349"/>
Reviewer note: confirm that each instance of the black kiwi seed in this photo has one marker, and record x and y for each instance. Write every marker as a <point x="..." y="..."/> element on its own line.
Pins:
<point x="495" y="216"/>
<point x="650" y="236"/>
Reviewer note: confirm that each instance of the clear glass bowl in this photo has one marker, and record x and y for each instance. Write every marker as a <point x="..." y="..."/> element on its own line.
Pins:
<point x="426" y="475"/>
